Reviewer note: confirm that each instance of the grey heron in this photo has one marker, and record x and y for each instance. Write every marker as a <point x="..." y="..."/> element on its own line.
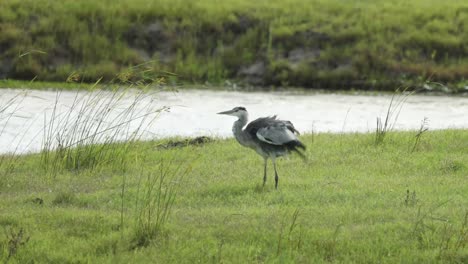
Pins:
<point x="268" y="136"/>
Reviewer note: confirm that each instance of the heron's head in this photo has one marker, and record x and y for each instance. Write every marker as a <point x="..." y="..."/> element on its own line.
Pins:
<point x="238" y="111"/>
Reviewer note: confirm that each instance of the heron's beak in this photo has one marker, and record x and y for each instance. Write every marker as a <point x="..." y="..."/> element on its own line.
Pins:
<point x="229" y="112"/>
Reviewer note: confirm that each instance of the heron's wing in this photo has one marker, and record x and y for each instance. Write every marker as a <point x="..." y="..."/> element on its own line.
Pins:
<point x="276" y="135"/>
<point x="259" y="123"/>
<point x="272" y="131"/>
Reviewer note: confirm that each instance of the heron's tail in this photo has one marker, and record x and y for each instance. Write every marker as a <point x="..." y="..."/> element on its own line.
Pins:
<point x="297" y="147"/>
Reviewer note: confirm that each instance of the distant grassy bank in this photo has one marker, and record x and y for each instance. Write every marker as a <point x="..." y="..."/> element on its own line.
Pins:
<point x="160" y="202"/>
<point x="309" y="43"/>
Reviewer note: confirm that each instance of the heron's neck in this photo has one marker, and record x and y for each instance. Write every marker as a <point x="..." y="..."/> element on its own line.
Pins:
<point x="240" y="135"/>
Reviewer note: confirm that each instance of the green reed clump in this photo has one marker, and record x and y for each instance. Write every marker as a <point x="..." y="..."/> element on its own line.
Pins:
<point x="290" y="239"/>
<point x="155" y="197"/>
<point x="393" y="111"/>
<point x="98" y="128"/>
<point x="8" y="109"/>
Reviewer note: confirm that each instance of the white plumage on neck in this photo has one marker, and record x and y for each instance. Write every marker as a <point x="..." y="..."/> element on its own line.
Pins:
<point x="237" y="129"/>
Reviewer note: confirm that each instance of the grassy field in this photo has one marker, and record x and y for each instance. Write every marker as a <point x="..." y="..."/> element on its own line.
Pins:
<point x="311" y="43"/>
<point x="352" y="202"/>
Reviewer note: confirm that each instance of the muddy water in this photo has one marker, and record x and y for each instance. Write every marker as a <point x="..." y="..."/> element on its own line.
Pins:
<point x="193" y="112"/>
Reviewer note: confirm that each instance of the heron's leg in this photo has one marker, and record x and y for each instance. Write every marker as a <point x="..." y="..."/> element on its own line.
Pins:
<point x="276" y="174"/>
<point x="264" y="171"/>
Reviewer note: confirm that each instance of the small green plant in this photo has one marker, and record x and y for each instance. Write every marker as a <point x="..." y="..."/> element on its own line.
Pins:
<point x="451" y="165"/>
<point x="64" y="198"/>
<point x="453" y="238"/>
<point x="411" y="199"/>
<point x="328" y="246"/>
<point x="15" y="239"/>
<point x="391" y="117"/>
<point x="422" y="129"/>
<point x="293" y="244"/>
<point x="155" y="197"/>
<point x="430" y="230"/>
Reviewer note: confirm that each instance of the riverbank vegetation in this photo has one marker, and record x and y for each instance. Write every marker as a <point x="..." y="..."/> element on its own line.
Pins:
<point x="353" y="201"/>
<point x="329" y="44"/>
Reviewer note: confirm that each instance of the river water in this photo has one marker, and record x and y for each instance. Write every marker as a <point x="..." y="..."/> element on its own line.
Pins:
<point x="25" y="116"/>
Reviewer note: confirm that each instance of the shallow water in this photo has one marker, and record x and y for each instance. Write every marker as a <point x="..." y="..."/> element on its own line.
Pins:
<point x="193" y="112"/>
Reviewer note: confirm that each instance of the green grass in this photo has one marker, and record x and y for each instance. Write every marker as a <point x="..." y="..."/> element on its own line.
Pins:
<point x="350" y="44"/>
<point x="20" y="84"/>
<point x="352" y="202"/>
